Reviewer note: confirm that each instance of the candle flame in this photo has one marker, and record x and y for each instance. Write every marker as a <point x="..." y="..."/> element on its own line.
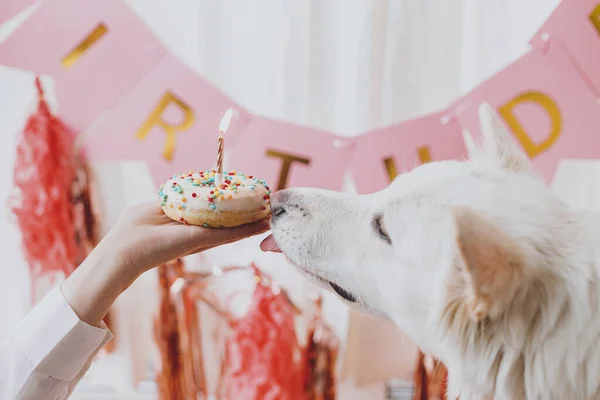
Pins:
<point x="224" y="125"/>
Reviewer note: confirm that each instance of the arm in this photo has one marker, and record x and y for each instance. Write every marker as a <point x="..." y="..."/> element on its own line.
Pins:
<point x="48" y="352"/>
<point x="92" y="288"/>
<point x="53" y="346"/>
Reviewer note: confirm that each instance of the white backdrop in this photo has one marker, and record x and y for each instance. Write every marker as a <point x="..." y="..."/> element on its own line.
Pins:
<point x="343" y="65"/>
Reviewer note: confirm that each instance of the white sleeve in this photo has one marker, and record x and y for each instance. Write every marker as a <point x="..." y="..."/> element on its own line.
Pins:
<point x="48" y="352"/>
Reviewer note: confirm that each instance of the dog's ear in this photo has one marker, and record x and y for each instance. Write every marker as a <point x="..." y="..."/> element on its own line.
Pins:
<point x="498" y="145"/>
<point x="492" y="263"/>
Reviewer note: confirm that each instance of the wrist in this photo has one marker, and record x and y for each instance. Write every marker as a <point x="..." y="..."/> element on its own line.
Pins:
<point x="95" y="285"/>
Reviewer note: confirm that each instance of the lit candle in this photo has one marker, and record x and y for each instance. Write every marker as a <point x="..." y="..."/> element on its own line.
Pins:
<point x="220" y="146"/>
<point x="223" y="126"/>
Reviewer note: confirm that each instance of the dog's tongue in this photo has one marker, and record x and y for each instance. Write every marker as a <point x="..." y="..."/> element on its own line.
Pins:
<point x="269" y="244"/>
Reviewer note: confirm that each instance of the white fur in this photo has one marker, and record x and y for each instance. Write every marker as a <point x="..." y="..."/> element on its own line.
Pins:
<point x="542" y="343"/>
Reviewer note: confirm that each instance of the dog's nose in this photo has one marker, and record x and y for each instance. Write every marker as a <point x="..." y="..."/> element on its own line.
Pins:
<point x="278" y="204"/>
<point x="277" y="211"/>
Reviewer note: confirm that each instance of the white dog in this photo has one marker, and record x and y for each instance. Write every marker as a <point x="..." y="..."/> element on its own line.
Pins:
<point x="477" y="261"/>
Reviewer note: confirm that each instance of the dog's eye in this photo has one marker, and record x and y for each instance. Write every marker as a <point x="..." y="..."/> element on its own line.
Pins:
<point x="379" y="228"/>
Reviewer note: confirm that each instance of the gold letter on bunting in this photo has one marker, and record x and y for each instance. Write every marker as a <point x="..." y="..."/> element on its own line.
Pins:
<point x="595" y="18"/>
<point x="533" y="149"/>
<point x="390" y="166"/>
<point x="84" y="46"/>
<point x="170" y="130"/>
<point x="287" y="159"/>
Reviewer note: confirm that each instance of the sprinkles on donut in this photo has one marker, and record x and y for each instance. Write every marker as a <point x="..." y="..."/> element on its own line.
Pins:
<point x="195" y="198"/>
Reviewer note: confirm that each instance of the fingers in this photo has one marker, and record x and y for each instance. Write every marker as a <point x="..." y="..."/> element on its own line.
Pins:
<point x="200" y="238"/>
<point x="229" y="235"/>
<point x="181" y="240"/>
<point x="208" y="238"/>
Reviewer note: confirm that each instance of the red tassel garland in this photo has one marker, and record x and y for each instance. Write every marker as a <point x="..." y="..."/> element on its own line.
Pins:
<point x="42" y="198"/>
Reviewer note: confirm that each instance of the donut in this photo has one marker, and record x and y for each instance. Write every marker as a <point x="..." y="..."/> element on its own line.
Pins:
<point x="193" y="198"/>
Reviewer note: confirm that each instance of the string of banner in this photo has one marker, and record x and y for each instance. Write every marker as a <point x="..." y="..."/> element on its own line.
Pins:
<point x="135" y="101"/>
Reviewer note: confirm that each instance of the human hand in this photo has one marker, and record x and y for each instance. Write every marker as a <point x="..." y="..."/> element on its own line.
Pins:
<point x="145" y="237"/>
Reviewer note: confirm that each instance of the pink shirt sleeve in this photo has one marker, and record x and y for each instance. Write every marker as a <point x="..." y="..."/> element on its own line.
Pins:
<point x="48" y="352"/>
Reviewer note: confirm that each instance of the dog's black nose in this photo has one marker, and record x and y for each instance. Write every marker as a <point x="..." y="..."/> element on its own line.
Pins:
<point x="278" y="204"/>
<point x="277" y="211"/>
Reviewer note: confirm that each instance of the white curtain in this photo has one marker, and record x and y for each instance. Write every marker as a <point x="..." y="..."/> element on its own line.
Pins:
<point x="342" y="65"/>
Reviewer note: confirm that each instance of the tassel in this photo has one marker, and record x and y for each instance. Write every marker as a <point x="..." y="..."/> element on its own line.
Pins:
<point x="430" y="383"/>
<point x="439" y="380"/>
<point x="320" y="357"/>
<point x="42" y="197"/>
<point x="260" y="354"/>
<point x="85" y="212"/>
<point x="421" y="379"/>
<point x="167" y="335"/>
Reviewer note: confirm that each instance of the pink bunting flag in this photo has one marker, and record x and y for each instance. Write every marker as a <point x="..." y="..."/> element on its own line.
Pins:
<point x="382" y="154"/>
<point x="95" y="51"/>
<point x="545" y="103"/>
<point x="288" y="155"/>
<point x="576" y="24"/>
<point x="170" y="119"/>
<point x="10" y="8"/>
